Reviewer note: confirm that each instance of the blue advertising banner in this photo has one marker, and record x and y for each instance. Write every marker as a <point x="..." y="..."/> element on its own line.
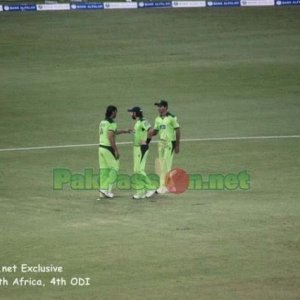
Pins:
<point x="223" y="3"/>
<point x="287" y="2"/>
<point x="95" y="5"/>
<point x="127" y="5"/>
<point x="19" y="7"/>
<point x="154" y="4"/>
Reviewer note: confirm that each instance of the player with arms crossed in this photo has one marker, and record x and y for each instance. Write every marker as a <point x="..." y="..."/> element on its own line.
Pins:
<point x="108" y="151"/>
<point x="167" y="126"/>
<point x="142" y="138"/>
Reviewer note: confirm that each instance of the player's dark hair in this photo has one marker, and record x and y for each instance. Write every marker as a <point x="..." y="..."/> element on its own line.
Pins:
<point x="110" y="110"/>
<point x="139" y="114"/>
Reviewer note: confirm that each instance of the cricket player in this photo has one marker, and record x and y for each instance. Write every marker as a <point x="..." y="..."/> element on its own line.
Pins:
<point x="168" y="128"/>
<point x="141" y="139"/>
<point x="108" y="151"/>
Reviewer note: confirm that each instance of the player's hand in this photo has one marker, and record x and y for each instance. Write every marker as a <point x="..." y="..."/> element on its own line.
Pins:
<point x="152" y="132"/>
<point x="117" y="155"/>
<point x="129" y="130"/>
<point x="177" y="149"/>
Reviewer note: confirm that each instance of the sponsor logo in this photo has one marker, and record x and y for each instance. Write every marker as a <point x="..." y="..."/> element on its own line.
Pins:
<point x="64" y="6"/>
<point x="20" y="7"/>
<point x="257" y="2"/>
<point x="155" y="4"/>
<point x="223" y="3"/>
<point x="87" y="6"/>
<point x="288" y="2"/>
<point x="120" y="5"/>
<point x="178" y="4"/>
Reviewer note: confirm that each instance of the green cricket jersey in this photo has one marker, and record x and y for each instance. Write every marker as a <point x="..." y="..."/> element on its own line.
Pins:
<point x="141" y="128"/>
<point x="166" y="127"/>
<point x="104" y="127"/>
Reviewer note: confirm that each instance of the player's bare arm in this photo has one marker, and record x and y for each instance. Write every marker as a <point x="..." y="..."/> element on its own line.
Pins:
<point x="149" y="137"/>
<point x="112" y="140"/>
<point x="123" y="131"/>
<point x="177" y="140"/>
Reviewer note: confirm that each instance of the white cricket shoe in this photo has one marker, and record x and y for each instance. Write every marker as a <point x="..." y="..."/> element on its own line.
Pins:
<point x="150" y="193"/>
<point x="106" y="194"/>
<point x="162" y="190"/>
<point x="137" y="196"/>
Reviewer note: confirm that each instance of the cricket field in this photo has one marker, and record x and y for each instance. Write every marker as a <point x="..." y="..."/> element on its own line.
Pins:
<point x="228" y="74"/>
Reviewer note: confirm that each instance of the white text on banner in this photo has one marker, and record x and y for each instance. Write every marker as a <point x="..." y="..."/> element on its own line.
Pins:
<point x="120" y="5"/>
<point x="178" y="4"/>
<point x="257" y="3"/>
<point x="63" y="6"/>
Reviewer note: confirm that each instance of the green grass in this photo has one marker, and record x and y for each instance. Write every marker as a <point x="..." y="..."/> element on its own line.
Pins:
<point x="225" y="72"/>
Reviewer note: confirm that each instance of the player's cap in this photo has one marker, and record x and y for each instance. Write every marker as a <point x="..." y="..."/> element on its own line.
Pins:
<point x="135" y="109"/>
<point x="161" y="103"/>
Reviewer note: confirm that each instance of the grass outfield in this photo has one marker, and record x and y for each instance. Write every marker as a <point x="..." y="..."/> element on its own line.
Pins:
<point x="226" y="73"/>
